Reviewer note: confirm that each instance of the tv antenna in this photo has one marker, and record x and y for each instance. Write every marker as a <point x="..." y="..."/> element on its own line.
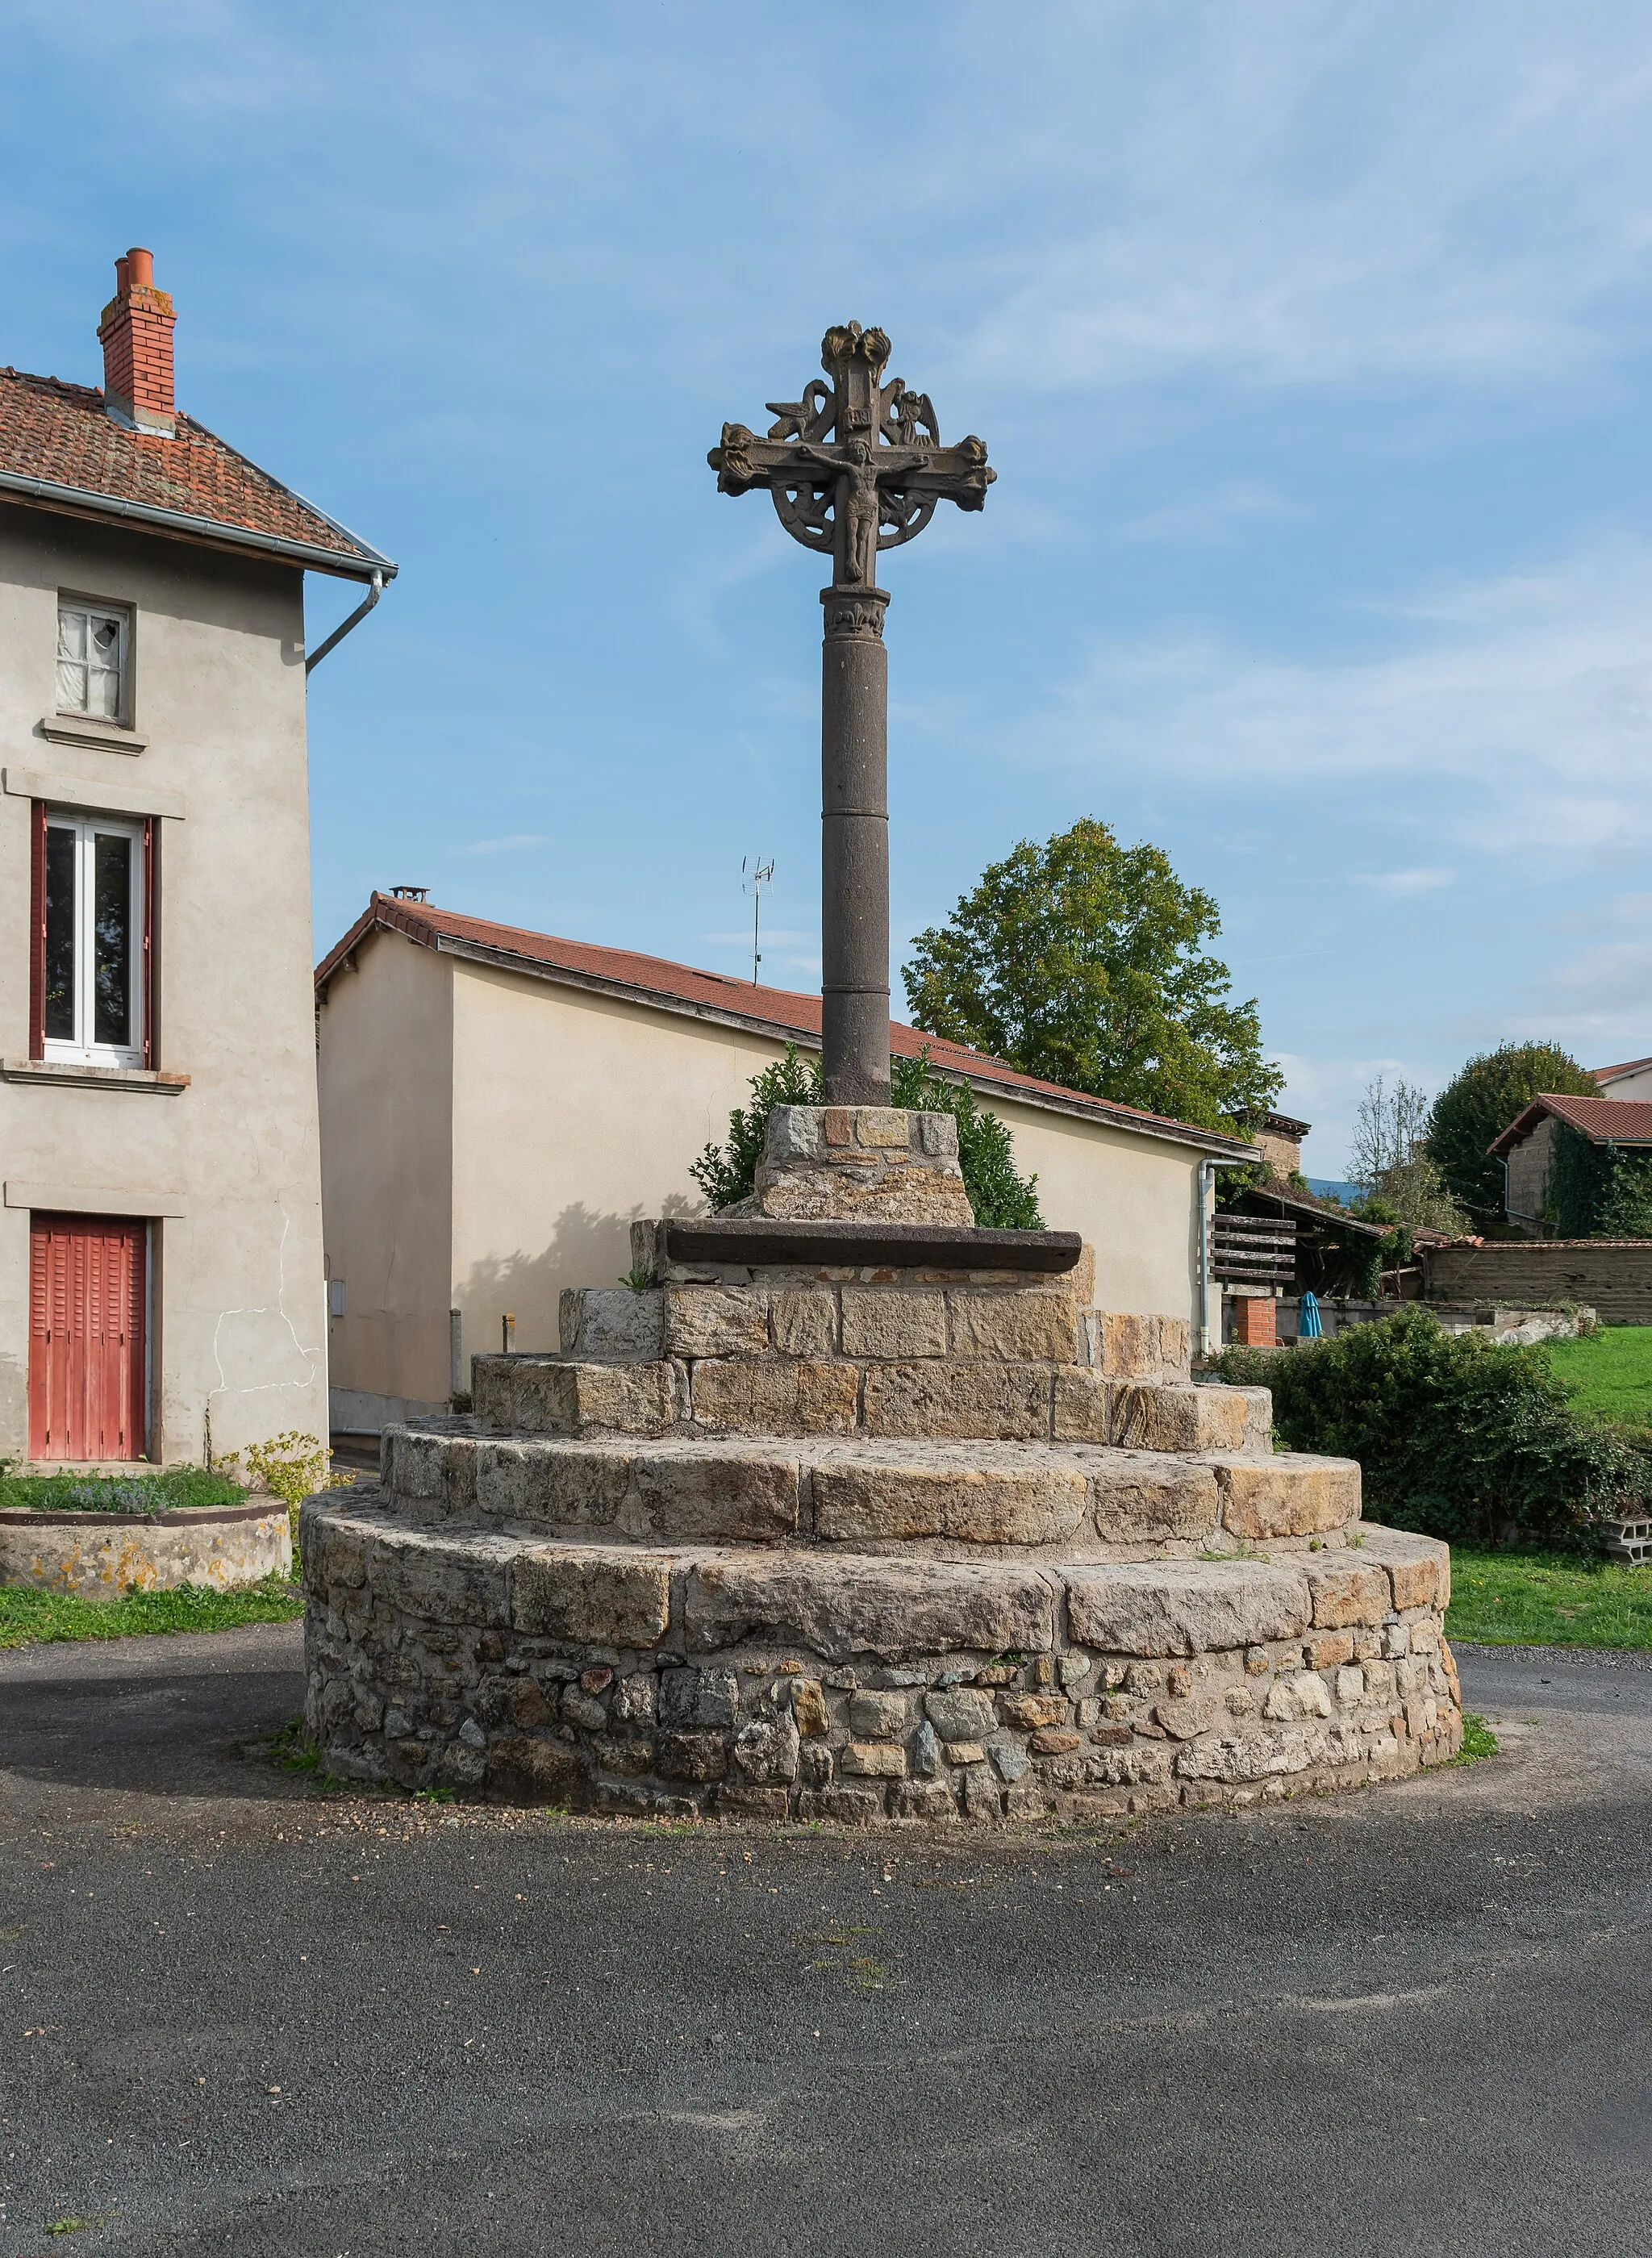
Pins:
<point x="754" y="876"/>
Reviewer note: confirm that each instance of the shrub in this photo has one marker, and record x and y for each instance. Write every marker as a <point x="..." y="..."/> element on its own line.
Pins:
<point x="1455" y="1437"/>
<point x="177" y="1489"/>
<point x="1598" y="1192"/>
<point x="1491" y="1091"/>
<point x="1001" y="1199"/>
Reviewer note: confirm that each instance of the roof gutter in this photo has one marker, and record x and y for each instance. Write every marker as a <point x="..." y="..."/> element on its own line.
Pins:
<point x="80" y="501"/>
<point x="343" y="629"/>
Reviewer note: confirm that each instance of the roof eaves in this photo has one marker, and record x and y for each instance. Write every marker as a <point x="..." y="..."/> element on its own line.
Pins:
<point x="183" y="525"/>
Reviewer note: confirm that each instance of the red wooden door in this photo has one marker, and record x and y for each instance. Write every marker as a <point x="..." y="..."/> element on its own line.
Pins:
<point x="87" y="1294"/>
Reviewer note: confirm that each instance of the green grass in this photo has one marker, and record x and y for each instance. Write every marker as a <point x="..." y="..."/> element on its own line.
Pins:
<point x="1478" y="1739"/>
<point x="30" y="1618"/>
<point x="1613" y="1371"/>
<point x="1546" y="1599"/>
<point x="171" y="1491"/>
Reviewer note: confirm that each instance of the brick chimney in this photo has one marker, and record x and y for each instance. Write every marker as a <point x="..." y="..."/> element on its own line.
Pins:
<point x="136" y="335"/>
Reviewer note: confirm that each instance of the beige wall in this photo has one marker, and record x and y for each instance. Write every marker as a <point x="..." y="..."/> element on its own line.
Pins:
<point x="571" y="1114"/>
<point x="385" y="1054"/>
<point x="236" y="1329"/>
<point x="1638" y="1085"/>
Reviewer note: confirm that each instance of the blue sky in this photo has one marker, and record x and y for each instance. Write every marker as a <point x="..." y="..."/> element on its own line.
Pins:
<point x="1310" y="342"/>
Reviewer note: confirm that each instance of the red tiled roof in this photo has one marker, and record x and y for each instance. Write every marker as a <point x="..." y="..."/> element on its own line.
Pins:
<point x="1602" y="1120"/>
<point x="1605" y="1074"/>
<point x="62" y="437"/>
<point x="780" y="1011"/>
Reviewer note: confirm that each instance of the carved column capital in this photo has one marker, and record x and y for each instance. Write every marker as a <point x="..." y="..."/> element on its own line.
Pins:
<point x="854" y="614"/>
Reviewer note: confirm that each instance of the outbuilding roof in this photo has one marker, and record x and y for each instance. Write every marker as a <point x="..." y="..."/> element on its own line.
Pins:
<point x="777" y="1012"/>
<point x="61" y="449"/>
<point x="1602" y="1120"/>
<point x="1604" y="1075"/>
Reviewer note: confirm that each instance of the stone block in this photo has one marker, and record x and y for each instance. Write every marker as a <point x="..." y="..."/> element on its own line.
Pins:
<point x="986" y="1402"/>
<point x="1344" y="1591"/>
<point x="1017" y="1326"/>
<point x="891" y="1324"/>
<point x="575" y="1485"/>
<point x="803" y="1324"/>
<point x="1184" y="1718"/>
<point x="837" y="1127"/>
<point x="1033" y="1505"/>
<point x="877" y="1717"/>
<point x="1256" y="1756"/>
<point x="792" y="1133"/>
<point x="636" y="1698"/>
<point x="960" y="1714"/>
<point x="851" y="1807"/>
<point x="1257" y="1439"/>
<point x="776" y="1397"/>
<point x="841" y="1608"/>
<point x="923" y="1799"/>
<point x="1083" y="1405"/>
<point x="698" y="1756"/>
<point x="1176" y="1415"/>
<point x="873" y="1760"/>
<point x="767" y="1749"/>
<point x="698" y="1697"/>
<point x="521" y="1770"/>
<point x="1328" y="1649"/>
<point x="1185" y="1607"/>
<point x="1054" y="1740"/>
<point x="739" y="1802"/>
<point x="715" y="1321"/>
<point x="611" y="1323"/>
<point x="965" y="1752"/>
<point x="1124" y="1346"/>
<point x="735" y="1497"/>
<point x="439" y="1575"/>
<point x="1175" y="1344"/>
<point x="1419" y="1569"/>
<point x="1350" y="1686"/>
<point x="1143" y="1498"/>
<point x="414" y="1466"/>
<point x="935" y="1135"/>
<point x="1031" y="1710"/>
<point x="883" y="1126"/>
<point x="630" y="1759"/>
<point x="809" y="1709"/>
<point x="592" y="1596"/>
<point x="1289" y="1495"/>
<point x="541" y="1396"/>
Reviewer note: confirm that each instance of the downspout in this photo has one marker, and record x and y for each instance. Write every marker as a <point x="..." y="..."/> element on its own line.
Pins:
<point x="355" y="619"/>
<point x="1207" y="1178"/>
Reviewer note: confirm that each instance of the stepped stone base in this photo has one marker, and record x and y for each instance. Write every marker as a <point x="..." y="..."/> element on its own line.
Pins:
<point x="867" y="1520"/>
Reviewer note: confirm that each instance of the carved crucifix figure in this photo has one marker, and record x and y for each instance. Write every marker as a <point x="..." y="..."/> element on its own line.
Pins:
<point x="854" y="466"/>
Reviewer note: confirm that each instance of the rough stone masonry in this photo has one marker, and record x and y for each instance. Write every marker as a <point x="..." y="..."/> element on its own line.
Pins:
<point x="868" y="1542"/>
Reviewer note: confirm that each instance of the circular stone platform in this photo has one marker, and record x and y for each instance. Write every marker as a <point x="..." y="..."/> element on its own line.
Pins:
<point x="867" y="1543"/>
<point x="104" y="1556"/>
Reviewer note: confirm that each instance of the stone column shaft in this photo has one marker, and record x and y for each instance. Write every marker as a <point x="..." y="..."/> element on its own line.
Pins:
<point x="855" y="847"/>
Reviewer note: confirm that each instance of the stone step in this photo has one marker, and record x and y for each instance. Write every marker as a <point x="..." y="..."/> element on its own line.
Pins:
<point x="939" y="1398"/>
<point x="870" y="1493"/>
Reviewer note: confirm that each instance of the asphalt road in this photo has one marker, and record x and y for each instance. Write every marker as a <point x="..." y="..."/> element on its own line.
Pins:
<point x="236" y="2017"/>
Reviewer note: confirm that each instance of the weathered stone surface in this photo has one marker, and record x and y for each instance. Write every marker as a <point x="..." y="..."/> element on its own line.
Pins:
<point x="767" y="1749"/>
<point x="1143" y="1498"/>
<point x="1122" y="1346"/>
<point x="1290" y="1494"/>
<point x="1258" y="1756"/>
<point x="104" y="1557"/>
<point x="1054" y="1740"/>
<point x="1175" y="1340"/>
<point x="715" y="1321"/>
<point x="1257" y="1439"/>
<point x="580" y="1709"/>
<point x="1028" y="1710"/>
<point x="987" y="1401"/>
<point x="541" y="1396"/>
<point x="692" y="1756"/>
<point x="609" y="1324"/>
<point x="747" y="1396"/>
<point x="1033" y="1505"/>
<point x="925" y="1752"/>
<point x="1344" y="1591"/>
<point x="1176" y="1415"/>
<point x="520" y="1770"/>
<point x="590" y="1596"/>
<point x="442" y="1575"/>
<point x="1419" y="1568"/>
<point x="840" y="1607"/>
<point x="1185" y="1607"/>
<point x="1020" y="1326"/>
<point x="699" y="1697"/>
<point x="1184" y="1718"/>
<point x="415" y="1464"/>
<point x="1083" y="1406"/>
<point x="809" y="1708"/>
<point x="874" y="1760"/>
<point x="737" y="1496"/>
<point x="635" y="1698"/>
<point x="892" y="1324"/>
<point x="877" y="1717"/>
<point x="960" y="1715"/>
<point x="805" y="1324"/>
<point x="923" y="1799"/>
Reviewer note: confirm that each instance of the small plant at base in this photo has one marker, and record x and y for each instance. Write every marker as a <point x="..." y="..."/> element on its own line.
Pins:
<point x="638" y="1281"/>
<point x="293" y="1748"/>
<point x="1478" y="1741"/>
<point x="433" y="1795"/>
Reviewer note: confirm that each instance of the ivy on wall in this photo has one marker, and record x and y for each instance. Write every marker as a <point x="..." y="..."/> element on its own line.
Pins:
<point x="1598" y="1192"/>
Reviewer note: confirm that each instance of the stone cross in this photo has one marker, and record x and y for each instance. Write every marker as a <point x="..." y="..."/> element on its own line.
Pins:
<point x="855" y="466"/>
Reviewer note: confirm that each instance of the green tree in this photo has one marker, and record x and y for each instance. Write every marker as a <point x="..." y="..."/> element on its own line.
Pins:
<point x="1002" y="1200"/>
<point x="1491" y="1091"/>
<point x="1081" y="961"/>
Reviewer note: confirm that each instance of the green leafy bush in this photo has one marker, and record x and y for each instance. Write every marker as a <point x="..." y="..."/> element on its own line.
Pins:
<point x="177" y="1489"/>
<point x="1456" y="1437"/>
<point x="1001" y="1199"/>
<point x="1598" y="1192"/>
<point x="1491" y="1091"/>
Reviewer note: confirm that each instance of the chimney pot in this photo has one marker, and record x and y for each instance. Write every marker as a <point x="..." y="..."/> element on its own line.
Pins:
<point x="136" y="335"/>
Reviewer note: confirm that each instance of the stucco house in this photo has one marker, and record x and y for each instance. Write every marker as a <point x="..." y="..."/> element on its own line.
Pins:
<point x="160" y="1243"/>
<point x="1631" y="1079"/>
<point x="496" y="1106"/>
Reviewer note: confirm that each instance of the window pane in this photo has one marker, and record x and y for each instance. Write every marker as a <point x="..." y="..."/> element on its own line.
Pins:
<point x="111" y="911"/>
<point x="104" y="686"/>
<point x="71" y="687"/>
<point x="59" y="933"/>
<point x="71" y="634"/>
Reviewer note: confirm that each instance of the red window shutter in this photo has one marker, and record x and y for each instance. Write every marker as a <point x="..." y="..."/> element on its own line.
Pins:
<point x="37" y="929"/>
<point x="148" y="1004"/>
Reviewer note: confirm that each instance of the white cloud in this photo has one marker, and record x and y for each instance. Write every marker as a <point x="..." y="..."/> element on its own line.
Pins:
<point x="1404" y="882"/>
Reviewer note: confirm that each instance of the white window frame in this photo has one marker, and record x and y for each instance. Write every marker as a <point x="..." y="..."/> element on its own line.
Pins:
<point x="89" y="609"/>
<point x="85" y="1050"/>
